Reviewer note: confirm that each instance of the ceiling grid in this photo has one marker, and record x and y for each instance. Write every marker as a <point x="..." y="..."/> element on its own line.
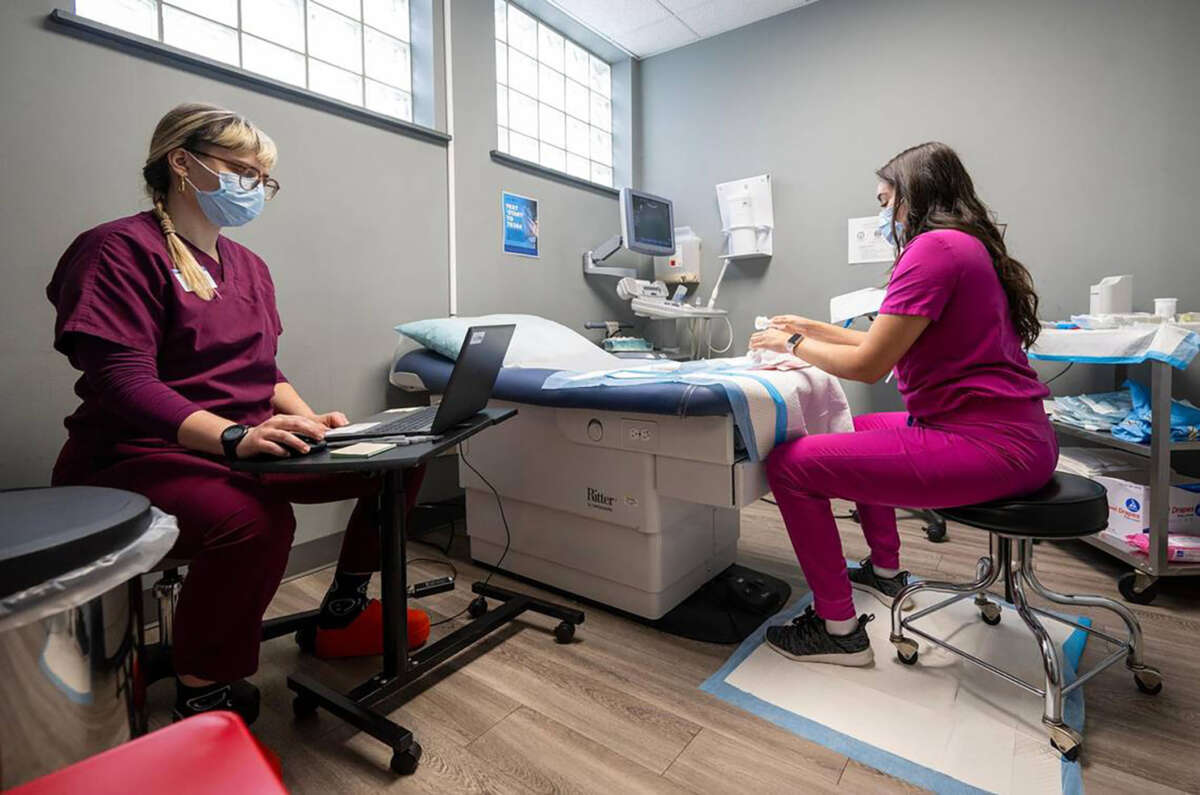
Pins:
<point x="650" y="27"/>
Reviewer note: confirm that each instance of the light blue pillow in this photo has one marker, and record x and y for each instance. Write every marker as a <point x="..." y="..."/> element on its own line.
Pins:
<point x="442" y="335"/>
<point x="537" y="342"/>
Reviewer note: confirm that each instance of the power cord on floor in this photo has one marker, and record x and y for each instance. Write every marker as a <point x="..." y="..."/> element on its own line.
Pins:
<point x="507" y="533"/>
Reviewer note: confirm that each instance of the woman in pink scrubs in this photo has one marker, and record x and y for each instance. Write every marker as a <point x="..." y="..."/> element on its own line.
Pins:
<point x="957" y="317"/>
<point x="175" y="329"/>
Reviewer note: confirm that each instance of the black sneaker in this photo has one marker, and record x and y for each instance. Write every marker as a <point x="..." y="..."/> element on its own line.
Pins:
<point x="240" y="697"/>
<point x="884" y="589"/>
<point x="807" y="640"/>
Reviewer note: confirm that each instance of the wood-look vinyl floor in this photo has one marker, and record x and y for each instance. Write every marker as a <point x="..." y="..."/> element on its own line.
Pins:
<point x="619" y="710"/>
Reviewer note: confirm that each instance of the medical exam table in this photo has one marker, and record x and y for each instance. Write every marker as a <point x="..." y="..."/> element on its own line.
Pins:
<point x="627" y="497"/>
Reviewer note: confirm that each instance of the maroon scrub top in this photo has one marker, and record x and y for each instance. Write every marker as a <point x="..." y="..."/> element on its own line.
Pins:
<point x="117" y="282"/>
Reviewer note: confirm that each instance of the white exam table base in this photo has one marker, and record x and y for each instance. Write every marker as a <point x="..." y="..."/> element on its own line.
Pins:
<point x="638" y="519"/>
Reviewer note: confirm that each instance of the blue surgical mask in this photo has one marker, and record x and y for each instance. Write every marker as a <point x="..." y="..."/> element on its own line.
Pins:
<point x="230" y="204"/>
<point x="885" y="225"/>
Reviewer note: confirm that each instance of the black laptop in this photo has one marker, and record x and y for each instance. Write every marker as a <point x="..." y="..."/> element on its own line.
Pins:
<point x="467" y="393"/>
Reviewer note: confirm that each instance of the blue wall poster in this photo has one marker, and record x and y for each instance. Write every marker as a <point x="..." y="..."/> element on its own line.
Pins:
<point x="519" y="216"/>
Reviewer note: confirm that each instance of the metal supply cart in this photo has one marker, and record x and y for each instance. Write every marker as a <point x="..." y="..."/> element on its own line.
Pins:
<point x="1141" y="585"/>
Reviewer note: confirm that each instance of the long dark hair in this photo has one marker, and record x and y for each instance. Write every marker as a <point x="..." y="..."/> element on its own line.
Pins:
<point x="937" y="193"/>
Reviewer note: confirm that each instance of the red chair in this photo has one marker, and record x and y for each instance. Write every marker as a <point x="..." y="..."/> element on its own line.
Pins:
<point x="209" y="753"/>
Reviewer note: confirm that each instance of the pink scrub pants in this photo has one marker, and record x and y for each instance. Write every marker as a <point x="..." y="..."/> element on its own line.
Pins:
<point x="890" y="462"/>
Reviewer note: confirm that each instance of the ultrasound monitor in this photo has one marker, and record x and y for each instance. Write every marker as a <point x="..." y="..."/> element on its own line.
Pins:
<point x="647" y="223"/>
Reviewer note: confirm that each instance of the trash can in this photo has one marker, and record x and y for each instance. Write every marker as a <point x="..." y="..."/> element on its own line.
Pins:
<point x="67" y="556"/>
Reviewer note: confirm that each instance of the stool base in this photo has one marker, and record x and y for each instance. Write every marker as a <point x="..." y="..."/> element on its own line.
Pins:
<point x="1018" y="576"/>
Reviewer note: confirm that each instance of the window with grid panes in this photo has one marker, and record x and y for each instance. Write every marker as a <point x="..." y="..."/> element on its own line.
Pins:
<point x="356" y="51"/>
<point x="553" y="98"/>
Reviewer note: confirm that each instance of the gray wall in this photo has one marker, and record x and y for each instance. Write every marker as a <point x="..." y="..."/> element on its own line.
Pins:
<point x="571" y="219"/>
<point x="356" y="240"/>
<point x="1078" y="119"/>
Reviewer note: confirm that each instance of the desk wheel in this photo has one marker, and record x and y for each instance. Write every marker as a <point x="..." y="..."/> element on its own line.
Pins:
<point x="477" y="607"/>
<point x="303" y="706"/>
<point x="564" y="632"/>
<point x="405" y="762"/>
<point x="935" y="531"/>
<point x="1066" y="741"/>
<point x="1148" y="680"/>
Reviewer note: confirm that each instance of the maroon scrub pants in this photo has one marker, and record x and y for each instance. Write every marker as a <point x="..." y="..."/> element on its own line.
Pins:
<point x="236" y="529"/>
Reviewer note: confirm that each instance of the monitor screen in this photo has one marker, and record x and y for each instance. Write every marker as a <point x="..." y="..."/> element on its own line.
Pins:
<point x="648" y="223"/>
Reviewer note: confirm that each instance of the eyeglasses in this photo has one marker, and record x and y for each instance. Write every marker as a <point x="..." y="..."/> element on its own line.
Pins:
<point x="249" y="177"/>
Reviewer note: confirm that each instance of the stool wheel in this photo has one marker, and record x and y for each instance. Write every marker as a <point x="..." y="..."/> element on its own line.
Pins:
<point x="306" y="638"/>
<point x="935" y="531"/>
<point x="1148" y="680"/>
<point x="564" y="632"/>
<point x="990" y="613"/>
<point x="477" y="607"/>
<point x="1066" y="741"/>
<point x="303" y="706"/>
<point x="405" y="762"/>
<point x="906" y="650"/>
<point x="1127" y="585"/>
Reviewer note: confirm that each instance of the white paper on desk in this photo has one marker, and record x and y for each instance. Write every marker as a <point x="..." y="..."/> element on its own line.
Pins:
<point x="345" y="430"/>
<point x="865" y="244"/>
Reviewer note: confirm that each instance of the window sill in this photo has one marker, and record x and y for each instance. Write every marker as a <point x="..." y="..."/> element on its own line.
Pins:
<point x="164" y="53"/>
<point x="538" y="169"/>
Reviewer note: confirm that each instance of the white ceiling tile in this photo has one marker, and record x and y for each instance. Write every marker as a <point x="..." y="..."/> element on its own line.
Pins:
<point x="612" y="17"/>
<point x="718" y="16"/>
<point x="675" y="6"/>
<point x="666" y="34"/>
<point x="650" y="27"/>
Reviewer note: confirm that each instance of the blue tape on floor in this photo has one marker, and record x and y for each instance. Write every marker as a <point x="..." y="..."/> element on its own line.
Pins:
<point x="1072" y="780"/>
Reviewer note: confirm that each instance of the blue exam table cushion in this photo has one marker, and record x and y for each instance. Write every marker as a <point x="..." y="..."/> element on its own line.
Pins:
<point x="524" y="385"/>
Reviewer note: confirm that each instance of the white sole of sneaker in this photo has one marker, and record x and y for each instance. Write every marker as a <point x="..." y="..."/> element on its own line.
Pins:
<point x="883" y="598"/>
<point x="850" y="659"/>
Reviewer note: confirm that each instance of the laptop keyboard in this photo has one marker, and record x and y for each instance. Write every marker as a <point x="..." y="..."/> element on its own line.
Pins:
<point x="416" y="422"/>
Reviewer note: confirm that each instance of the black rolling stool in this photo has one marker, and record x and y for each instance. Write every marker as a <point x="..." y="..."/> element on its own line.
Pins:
<point x="1068" y="506"/>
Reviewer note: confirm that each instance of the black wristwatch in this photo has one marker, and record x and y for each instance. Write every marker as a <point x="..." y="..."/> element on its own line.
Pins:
<point x="231" y="437"/>
<point x="793" y="341"/>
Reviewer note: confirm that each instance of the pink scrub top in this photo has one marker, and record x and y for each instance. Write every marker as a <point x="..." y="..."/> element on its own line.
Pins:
<point x="117" y="282"/>
<point x="969" y="360"/>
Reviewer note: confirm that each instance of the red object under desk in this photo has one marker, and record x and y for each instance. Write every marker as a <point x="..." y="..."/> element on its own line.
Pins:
<point x="209" y="753"/>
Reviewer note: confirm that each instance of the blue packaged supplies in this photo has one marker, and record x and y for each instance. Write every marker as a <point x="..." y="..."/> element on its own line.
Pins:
<point x="1185" y="418"/>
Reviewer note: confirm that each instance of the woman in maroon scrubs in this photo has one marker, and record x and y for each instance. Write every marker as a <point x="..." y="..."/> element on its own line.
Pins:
<point x="175" y="329"/>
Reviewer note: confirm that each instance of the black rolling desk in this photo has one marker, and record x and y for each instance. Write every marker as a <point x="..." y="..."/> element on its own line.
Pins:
<point x="399" y="667"/>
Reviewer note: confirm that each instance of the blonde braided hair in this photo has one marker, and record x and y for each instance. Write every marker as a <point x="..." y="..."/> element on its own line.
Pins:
<point x="186" y="126"/>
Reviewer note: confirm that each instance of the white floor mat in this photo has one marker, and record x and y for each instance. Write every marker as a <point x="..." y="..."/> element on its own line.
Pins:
<point x="944" y="723"/>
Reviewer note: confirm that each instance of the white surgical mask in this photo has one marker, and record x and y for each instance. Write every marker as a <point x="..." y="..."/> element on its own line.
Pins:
<point x="885" y="225"/>
<point x="230" y="204"/>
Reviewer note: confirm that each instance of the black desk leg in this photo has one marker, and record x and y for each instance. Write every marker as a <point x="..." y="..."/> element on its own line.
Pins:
<point x="400" y="669"/>
<point x="351" y="707"/>
<point x="392" y="544"/>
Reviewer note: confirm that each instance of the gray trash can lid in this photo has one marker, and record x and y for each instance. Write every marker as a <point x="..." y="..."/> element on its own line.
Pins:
<point x="45" y="533"/>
